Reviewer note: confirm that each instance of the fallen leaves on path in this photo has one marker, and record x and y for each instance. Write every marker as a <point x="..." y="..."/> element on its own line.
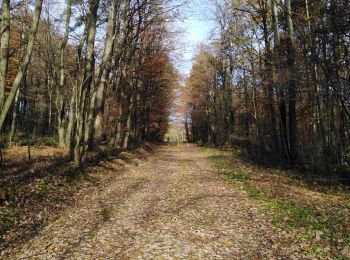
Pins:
<point x="312" y="217"/>
<point x="176" y="206"/>
<point x="34" y="193"/>
<point x="171" y="206"/>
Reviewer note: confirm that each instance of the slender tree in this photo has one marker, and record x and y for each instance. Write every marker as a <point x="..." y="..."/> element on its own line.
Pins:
<point x="22" y="68"/>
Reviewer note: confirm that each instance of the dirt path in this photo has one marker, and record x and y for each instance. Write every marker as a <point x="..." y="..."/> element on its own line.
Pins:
<point x="172" y="206"/>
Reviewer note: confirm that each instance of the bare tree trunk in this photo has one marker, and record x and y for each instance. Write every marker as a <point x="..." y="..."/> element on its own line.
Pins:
<point x="119" y="123"/>
<point x="89" y="118"/>
<point x="128" y="123"/>
<point x="4" y="48"/>
<point x="60" y="98"/>
<point x="269" y="84"/>
<point x="278" y="83"/>
<point x="291" y="86"/>
<point x="317" y="114"/>
<point x="83" y="89"/>
<point x="22" y="68"/>
<point x="229" y="117"/>
<point x="50" y="85"/>
<point x="256" y="115"/>
<point x="246" y="101"/>
<point x="106" y="65"/>
<point x="187" y="129"/>
<point x="14" y="120"/>
<point x="71" y="122"/>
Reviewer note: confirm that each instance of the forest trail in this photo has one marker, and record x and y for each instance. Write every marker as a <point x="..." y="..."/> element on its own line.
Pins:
<point x="173" y="205"/>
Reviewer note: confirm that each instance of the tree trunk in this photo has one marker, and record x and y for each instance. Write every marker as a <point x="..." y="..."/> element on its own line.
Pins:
<point x="317" y="109"/>
<point x="229" y="117"/>
<point x="278" y="81"/>
<point x="22" y="68"/>
<point x="291" y="86"/>
<point x="269" y="84"/>
<point x="106" y="65"/>
<point x="128" y="123"/>
<point x="119" y="123"/>
<point x="60" y="96"/>
<point x="83" y="89"/>
<point x="14" y="120"/>
<point x="187" y="129"/>
<point x="71" y="122"/>
<point x="4" y="48"/>
<point x="255" y="105"/>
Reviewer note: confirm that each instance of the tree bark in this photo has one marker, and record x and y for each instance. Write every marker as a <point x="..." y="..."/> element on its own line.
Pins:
<point x="22" y="68"/>
<point x="14" y="120"/>
<point x="315" y="77"/>
<point x="4" y="48"/>
<point x="269" y="84"/>
<point x="128" y="125"/>
<point x="106" y="65"/>
<point x="71" y="123"/>
<point x="83" y="89"/>
<point x="278" y="81"/>
<point x="291" y="86"/>
<point x="60" y="97"/>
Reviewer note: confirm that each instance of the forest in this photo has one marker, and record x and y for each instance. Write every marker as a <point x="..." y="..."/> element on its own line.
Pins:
<point x="275" y="81"/>
<point x="174" y="129"/>
<point x="96" y="74"/>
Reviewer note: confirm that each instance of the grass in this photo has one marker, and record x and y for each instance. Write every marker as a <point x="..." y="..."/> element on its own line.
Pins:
<point x="107" y="213"/>
<point x="24" y="140"/>
<point x="324" y="234"/>
<point x="45" y="186"/>
<point x="237" y="176"/>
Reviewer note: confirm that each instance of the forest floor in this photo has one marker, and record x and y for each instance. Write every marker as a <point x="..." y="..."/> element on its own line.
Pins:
<point x="187" y="202"/>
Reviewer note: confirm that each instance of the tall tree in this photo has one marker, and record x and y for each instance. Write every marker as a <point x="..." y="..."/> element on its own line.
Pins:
<point x="105" y="70"/>
<point x="60" y="95"/>
<point x="84" y="88"/>
<point x="22" y="68"/>
<point x="291" y="85"/>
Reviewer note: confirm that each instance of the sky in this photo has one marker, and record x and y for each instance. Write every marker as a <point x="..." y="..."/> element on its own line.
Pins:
<point x="197" y="28"/>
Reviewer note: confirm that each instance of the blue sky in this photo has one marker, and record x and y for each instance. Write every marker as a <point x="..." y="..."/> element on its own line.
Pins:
<point x="195" y="22"/>
<point x="197" y="27"/>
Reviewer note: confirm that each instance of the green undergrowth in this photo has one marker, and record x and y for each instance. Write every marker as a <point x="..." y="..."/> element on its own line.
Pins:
<point x="24" y="140"/>
<point x="107" y="213"/>
<point x="324" y="234"/>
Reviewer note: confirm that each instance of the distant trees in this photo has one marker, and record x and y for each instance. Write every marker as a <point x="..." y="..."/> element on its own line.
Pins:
<point x="203" y="98"/>
<point x="99" y="74"/>
<point x="283" y="66"/>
